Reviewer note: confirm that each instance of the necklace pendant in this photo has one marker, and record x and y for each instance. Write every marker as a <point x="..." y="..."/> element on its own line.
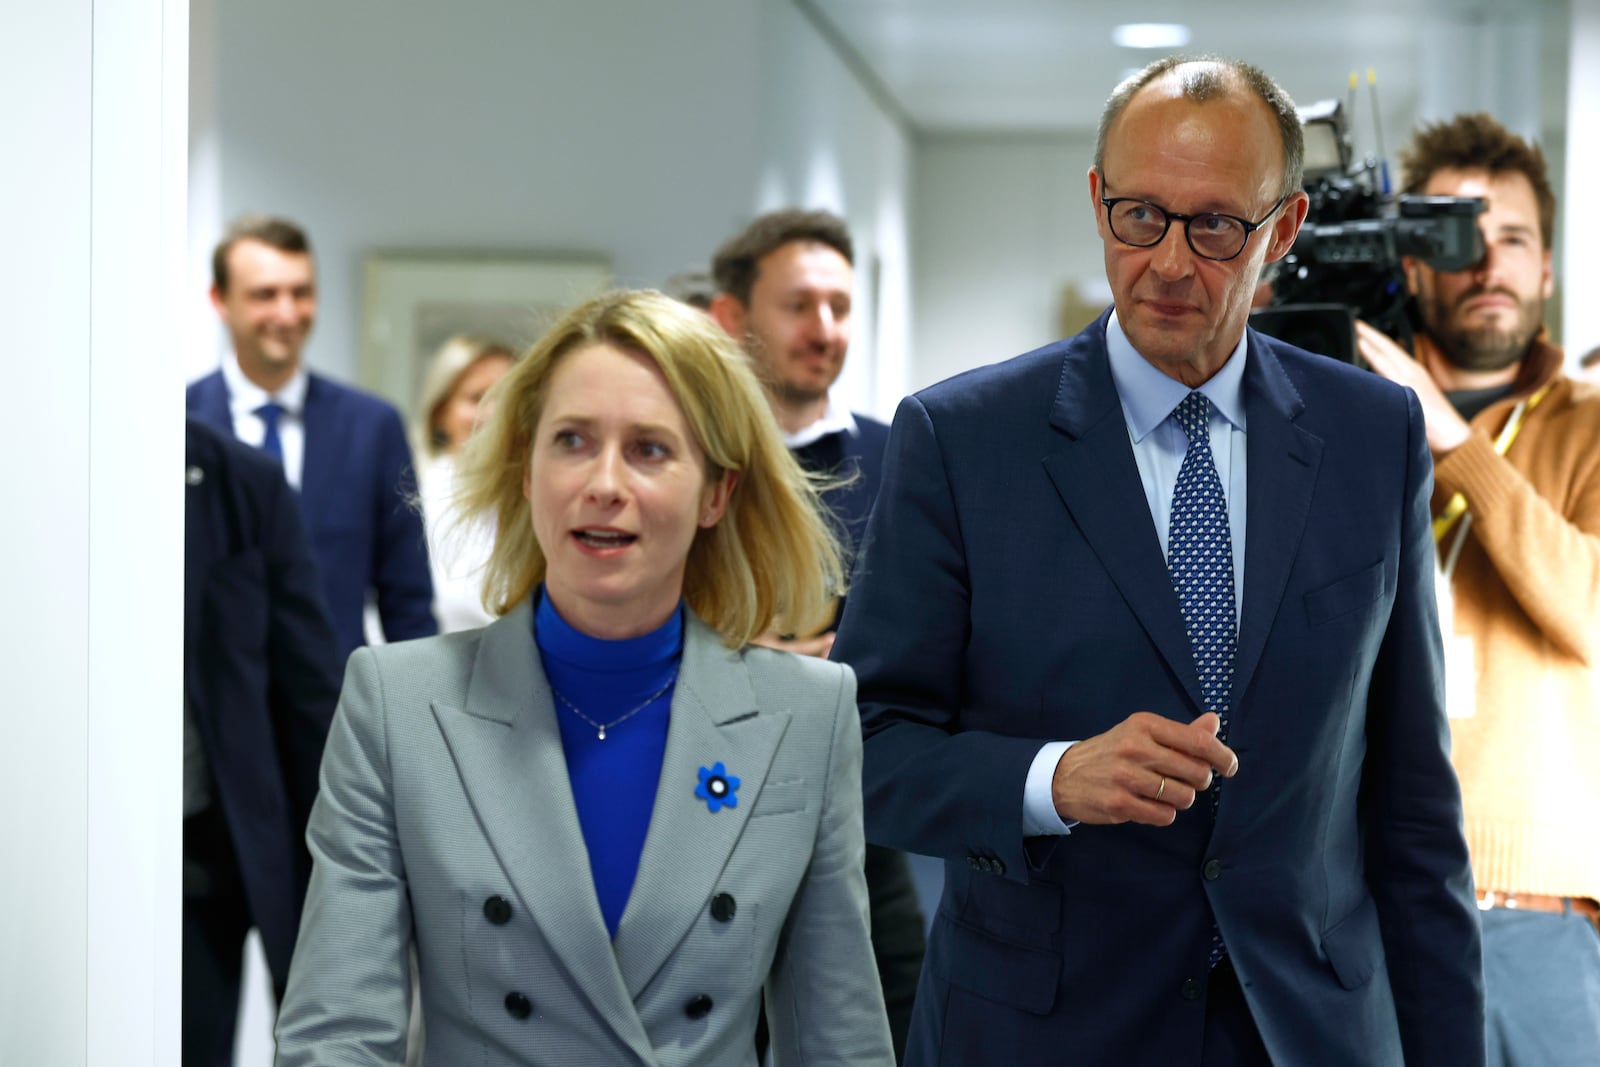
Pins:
<point x="602" y="733"/>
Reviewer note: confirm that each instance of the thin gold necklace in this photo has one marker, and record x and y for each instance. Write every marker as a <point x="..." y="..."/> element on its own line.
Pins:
<point x="602" y="727"/>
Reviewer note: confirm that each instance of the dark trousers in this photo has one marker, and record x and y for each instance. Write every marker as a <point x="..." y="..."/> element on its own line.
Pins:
<point x="1231" y="1037"/>
<point x="216" y="918"/>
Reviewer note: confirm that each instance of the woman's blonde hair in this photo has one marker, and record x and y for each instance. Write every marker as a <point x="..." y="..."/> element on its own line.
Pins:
<point x="444" y="371"/>
<point x="773" y="559"/>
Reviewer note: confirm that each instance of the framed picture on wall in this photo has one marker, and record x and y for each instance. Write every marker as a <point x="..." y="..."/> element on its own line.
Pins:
<point x="414" y="301"/>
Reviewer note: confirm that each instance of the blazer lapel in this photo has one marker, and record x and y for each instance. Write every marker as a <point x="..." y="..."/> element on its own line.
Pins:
<point x="1283" y="461"/>
<point x="1093" y="470"/>
<point x="714" y="719"/>
<point x="508" y="751"/>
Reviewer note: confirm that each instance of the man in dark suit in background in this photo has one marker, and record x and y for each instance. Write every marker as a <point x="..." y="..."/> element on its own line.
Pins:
<point x="784" y="291"/>
<point x="343" y="450"/>
<point x="261" y="678"/>
<point x="1192" y="791"/>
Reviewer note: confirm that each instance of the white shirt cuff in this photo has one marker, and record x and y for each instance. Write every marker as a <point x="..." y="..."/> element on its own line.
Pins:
<point x="1038" y="802"/>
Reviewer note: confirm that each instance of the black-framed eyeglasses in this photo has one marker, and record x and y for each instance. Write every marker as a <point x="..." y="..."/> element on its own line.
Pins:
<point x="1211" y="234"/>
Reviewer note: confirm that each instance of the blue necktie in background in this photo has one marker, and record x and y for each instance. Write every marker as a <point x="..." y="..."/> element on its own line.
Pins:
<point x="271" y="443"/>
<point x="1200" y="558"/>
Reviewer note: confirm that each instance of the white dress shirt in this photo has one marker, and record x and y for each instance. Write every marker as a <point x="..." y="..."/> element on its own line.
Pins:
<point x="245" y="396"/>
<point x="835" y="419"/>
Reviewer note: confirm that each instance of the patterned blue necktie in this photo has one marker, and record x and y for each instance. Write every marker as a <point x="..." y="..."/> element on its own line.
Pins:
<point x="1200" y="558"/>
<point x="269" y="414"/>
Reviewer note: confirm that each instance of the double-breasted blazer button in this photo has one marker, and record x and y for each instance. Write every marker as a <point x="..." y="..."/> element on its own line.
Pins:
<point x="1190" y="989"/>
<point x="724" y="907"/>
<point x="1212" y="870"/>
<point x="699" y="1006"/>
<point x="497" y="910"/>
<point x="518" y="1005"/>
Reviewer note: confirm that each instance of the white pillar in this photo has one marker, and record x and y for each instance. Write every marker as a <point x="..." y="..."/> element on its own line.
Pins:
<point x="93" y="97"/>
<point x="201" y="339"/>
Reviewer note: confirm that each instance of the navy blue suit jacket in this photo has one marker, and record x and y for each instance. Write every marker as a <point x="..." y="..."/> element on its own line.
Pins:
<point x="857" y="457"/>
<point x="354" y="486"/>
<point x="261" y="671"/>
<point x="1013" y="591"/>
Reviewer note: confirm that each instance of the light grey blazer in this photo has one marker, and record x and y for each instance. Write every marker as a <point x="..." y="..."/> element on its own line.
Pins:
<point x="446" y="818"/>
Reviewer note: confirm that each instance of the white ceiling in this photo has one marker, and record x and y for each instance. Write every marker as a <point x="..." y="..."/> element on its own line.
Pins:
<point x="1008" y="65"/>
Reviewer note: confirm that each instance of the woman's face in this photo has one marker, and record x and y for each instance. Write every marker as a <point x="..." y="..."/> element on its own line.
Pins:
<point x="617" y="488"/>
<point x="462" y="410"/>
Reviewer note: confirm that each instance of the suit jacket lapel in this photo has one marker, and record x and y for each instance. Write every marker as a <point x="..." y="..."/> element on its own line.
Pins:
<point x="1093" y="470"/>
<point x="1283" y="460"/>
<point x="508" y="751"/>
<point x="714" y="719"/>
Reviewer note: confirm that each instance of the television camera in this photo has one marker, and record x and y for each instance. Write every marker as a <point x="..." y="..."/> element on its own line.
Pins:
<point x="1345" y="263"/>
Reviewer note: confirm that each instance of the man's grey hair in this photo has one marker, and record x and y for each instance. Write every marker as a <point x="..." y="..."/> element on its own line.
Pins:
<point x="1208" y="77"/>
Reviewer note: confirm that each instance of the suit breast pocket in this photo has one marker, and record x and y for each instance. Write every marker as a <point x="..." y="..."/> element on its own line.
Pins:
<point x="780" y="797"/>
<point x="1345" y="596"/>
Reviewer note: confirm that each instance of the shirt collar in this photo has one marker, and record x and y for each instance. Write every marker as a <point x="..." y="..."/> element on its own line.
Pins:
<point x="835" y="419"/>
<point x="1149" y="396"/>
<point x="245" y="396"/>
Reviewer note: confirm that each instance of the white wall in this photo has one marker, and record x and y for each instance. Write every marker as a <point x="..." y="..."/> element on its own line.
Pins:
<point x="615" y="127"/>
<point x="640" y="132"/>
<point x="90" y="767"/>
<point x="828" y="143"/>
<point x="1003" y="225"/>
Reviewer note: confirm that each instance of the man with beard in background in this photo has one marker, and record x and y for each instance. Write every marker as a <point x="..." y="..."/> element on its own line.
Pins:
<point x="1516" y="505"/>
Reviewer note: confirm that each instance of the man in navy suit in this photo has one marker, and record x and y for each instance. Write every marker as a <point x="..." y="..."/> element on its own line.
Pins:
<point x="261" y="678"/>
<point x="784" y="291"/>
<point x="1148" y="654"/>
<point x="343" y="450"/>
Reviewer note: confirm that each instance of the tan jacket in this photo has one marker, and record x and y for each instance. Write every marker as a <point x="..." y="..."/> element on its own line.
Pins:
<point x="1527" y="590"/>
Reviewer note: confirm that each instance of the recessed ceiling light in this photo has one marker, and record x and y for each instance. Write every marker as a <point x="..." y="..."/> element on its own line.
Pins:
<point x="1151" y="35"/>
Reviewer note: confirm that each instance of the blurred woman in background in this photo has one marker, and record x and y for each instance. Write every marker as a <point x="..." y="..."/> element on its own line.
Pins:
<point x="450" y="407"/>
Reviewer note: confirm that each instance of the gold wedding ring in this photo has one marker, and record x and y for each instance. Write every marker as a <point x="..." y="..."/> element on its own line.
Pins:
<point x="1162" y="788"/>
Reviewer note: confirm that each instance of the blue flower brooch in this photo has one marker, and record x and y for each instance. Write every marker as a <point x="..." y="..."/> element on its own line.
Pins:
<point x="717" y="788"/>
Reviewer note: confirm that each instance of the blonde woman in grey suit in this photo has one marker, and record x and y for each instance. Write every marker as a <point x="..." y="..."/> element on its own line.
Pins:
<point x="607" y="823"/>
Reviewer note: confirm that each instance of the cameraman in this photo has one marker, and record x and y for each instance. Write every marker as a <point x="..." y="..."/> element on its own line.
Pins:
<point x="1516" y="505"/>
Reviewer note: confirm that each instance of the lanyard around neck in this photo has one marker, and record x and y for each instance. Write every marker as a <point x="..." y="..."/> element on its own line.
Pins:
<point x="1457" y="506"/>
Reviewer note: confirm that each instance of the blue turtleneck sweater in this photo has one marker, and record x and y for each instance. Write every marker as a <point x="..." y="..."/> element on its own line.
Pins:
<point x="613" y="781"/>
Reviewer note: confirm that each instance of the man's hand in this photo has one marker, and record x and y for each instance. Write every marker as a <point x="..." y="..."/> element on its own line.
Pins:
<point x="1145" y="769"/>
<point x="1446" y="429"/>
<point x="818" y="646"/>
